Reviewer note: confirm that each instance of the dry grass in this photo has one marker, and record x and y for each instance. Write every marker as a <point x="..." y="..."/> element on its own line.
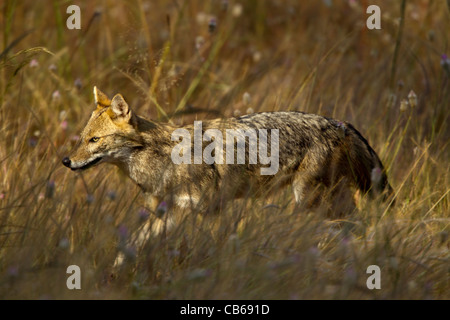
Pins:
<point x="287" y="55"/>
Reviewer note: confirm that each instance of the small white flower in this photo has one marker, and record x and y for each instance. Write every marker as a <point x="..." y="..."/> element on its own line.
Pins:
<point x="257" y="56"/>
<point x="62" y="115"/>
<point x="412" y="99"/>
<point x="199" y="42"/>
<point x="52" y="67"/>
<point x="201" y="17"/>
<point x="246" y="98"/>
<point x="34" y="63"/>
<point x="237" y="10"/>
<point x="56" y="95"/>
<point x="404" y="105"/>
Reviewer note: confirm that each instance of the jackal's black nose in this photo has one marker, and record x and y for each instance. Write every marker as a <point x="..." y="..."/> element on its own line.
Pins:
<point x="66" y="161"/>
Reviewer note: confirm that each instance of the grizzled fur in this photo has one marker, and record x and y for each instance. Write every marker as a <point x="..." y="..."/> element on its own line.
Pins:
<point x="317" y="155"/>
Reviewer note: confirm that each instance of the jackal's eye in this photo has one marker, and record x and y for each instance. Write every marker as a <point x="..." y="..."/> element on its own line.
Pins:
<point x="94" y="139"/>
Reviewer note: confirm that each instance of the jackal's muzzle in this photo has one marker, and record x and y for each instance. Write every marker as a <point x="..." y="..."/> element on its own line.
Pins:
<point x="69" y="164"/>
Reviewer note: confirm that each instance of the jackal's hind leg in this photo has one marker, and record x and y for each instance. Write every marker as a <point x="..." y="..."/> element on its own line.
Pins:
<point x="341" y="199"/>
<point x="307" y="192"/>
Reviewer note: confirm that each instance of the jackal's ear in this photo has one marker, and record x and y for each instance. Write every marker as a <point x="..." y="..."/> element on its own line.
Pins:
<point x="120" y="109"/>
<point x="101" y="100"/>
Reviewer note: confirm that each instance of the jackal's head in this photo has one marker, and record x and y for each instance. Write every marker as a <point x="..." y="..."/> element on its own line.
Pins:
<point x="109" y="135"/>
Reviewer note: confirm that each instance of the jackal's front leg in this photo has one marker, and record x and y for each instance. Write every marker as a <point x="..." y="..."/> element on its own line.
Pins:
<point x="161" y="217"/>
<point x="156" y="223"/>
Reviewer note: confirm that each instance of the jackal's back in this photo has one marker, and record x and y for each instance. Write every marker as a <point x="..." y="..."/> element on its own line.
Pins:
<point x="327" y="149"/>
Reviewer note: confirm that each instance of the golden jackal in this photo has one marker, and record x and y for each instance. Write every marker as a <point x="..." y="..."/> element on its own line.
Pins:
<point x="314" y="154"/>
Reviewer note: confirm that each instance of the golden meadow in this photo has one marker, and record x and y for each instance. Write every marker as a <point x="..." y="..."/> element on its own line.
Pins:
<point x="194" y="60"/>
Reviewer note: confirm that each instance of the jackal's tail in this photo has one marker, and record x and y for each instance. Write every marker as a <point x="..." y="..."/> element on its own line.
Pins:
<point x="365" y="165"/>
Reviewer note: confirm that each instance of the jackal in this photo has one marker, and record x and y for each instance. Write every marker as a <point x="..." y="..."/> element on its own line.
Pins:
<point x="317" y="156"/>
